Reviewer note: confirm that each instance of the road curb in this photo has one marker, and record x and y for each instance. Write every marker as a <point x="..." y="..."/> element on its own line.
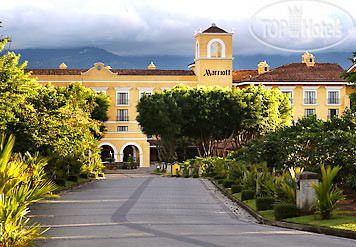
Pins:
<point x="301" y="227"/>
<point x="74" y="186"/>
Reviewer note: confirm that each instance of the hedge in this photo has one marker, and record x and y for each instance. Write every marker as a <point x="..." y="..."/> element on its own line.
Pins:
<point x="247" y="195"/>
<point x="285" y="210"/>
<point x="264" y="203"/>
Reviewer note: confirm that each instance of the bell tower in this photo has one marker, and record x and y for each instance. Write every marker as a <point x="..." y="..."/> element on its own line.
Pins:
<point x="213" y="57"/>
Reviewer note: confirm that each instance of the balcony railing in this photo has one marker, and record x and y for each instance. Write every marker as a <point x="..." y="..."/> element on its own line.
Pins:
<point x="310" y="101"/>
<point x="333" y="101"/>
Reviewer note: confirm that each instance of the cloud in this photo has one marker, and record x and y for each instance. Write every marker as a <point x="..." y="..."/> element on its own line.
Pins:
<point x="132" y="27"/>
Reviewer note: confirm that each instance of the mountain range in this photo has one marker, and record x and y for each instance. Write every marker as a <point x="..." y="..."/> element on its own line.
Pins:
<point x="85" y="57"/>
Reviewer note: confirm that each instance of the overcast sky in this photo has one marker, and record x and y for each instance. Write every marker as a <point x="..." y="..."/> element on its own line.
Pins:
<point x="137" y="27"/>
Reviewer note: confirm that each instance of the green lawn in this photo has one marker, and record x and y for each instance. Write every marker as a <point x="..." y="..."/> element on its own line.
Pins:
<point x="337" y="221"/>
<point x="69" y="183"/>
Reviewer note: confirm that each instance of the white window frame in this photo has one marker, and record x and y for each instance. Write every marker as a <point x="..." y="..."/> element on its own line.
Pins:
<point x="127" y="129"/>
<point x="100" y="89"/>
<point x="315" y="89"/>
<point x="144" y="90"/>
<point x="288" y="89"/>
<point x="197" y="49"/>
<point x="309" y="109"/>
<point x="118" y="115"/>
<point x="333" y="89"/>
<point x="337" y="112"/>
<point x="222" y="48"/>
<point x="122" y="90"/>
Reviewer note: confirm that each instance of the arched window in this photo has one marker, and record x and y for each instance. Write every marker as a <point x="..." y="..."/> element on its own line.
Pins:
<point x="216" y="48"/>
<point x="197" y="50"/>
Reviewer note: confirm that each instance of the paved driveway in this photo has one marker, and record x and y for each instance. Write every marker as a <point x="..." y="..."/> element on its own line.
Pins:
<point x="146" y="210"/>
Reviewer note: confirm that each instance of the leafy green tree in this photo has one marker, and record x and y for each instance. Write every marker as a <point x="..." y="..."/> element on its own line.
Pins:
<point x="61" y="121"/>
<point x="209" y="115"/>
<point x="350" y="77"/>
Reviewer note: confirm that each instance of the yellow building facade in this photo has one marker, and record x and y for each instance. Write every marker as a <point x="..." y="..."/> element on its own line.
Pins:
<point x="212" y="66"/>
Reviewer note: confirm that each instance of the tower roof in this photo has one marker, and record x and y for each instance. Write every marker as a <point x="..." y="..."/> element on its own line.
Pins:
<point x="214" y="29"/>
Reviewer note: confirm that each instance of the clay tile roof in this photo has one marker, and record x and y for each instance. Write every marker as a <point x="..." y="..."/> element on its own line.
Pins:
<point x="56" y="71"/>
<point x="300" y="72"/>
<point x="152" y="72"/>
<point x="214" y="29"/>
<point x="117" y="71"/>
<point x="244" y="74"/>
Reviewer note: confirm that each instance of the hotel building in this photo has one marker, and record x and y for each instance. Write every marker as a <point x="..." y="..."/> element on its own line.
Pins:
<point x="314" y="88"/>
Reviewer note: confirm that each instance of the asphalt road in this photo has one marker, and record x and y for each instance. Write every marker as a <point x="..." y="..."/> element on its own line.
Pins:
<point x="147" y="210"/>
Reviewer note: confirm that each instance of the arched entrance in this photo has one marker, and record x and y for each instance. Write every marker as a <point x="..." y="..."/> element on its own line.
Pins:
<point x="108" y="152"/>
<point x="133" y="150"/>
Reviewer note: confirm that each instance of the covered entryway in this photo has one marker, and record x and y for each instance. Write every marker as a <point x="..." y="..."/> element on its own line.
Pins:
<point x="108" y="152"/>
<point x="133" y="150"/>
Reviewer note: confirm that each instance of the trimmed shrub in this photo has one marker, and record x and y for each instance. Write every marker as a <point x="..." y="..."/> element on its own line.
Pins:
<point x="236" y="188"/>
<point x="285" y="210"/>
<point x="217" y="177"/>
<point x="247" y="195"/>
<point x="100" y="175"/>
<point x="195" y="172"/>
<point x="219" y="181"/>
<point x="60" y="182"/>
<point x="212" y="174"/>
<point x="73" y="178"/>
<point x="227" y="183"/>
<point x="84" y="175"/>
<point x="351" y="183"/>
<point x="264" y="203"/>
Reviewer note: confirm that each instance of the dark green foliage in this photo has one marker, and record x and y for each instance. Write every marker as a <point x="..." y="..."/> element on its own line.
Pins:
<point x="73" y="178"/>
<point x="83" y="175"/>
<point x="236" y="188"/>
<point x="351" y="182"/>
<point x="212" y="174"/>
<point x="54" y="121"/>
<point x="60" y="182"/>
<point x="217" y="177"/>
<point x="247" y="195"/>
<point x="285" y="210"/>
<point x="100" y="175"/>
<point x="264" y="203"/>
<point x="186" y="171"/>
<point x="207" y="114"/>
<point x="195" y="172"/>
<point x="309" y="143"/>
<point x="227" y="183"/>
<point x="219" y="181"/>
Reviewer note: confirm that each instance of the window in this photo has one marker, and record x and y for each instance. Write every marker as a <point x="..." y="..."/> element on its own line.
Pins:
<point x="143" y="90"/>
<point x="100" y="89"/>
<point x="309" y="112"/>
<point x="333" y="113"/>
<point x="147" y="93"/>
<point x="333" y="97"/>
<point x="122" y="115"/>
<point x="216" y="49"/>
<point x="310" y="97"/>
<point x="197" y="50"/>
<point x="288" y="90"/>
<point x="290" y="93"/>
<point x="122" y="128"/>
<point x="122" y="98"/>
